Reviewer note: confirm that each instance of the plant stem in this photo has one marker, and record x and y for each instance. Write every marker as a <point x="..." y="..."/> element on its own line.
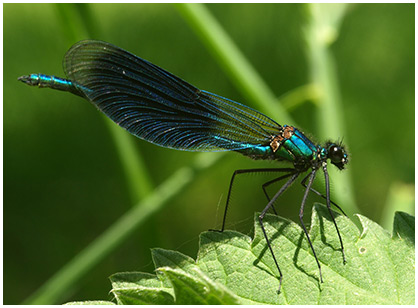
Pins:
<point x="320" y="32"/>
<point x="231" y="59"/>
<point x="53" y="290"/>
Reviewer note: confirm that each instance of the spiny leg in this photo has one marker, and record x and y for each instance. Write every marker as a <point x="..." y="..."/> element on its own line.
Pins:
<point x="242" y="171"/>
<point x="321" y="195"/>
<point x="263" y="214"/>
<point x="305" y="196"/>
<point x="324" y="167"/>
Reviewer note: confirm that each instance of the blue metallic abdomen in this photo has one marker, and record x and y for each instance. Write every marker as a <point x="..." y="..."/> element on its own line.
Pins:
<point x="258" y="152"/>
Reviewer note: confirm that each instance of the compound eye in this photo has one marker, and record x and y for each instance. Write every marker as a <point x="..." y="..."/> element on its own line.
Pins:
<point x="338" y="156"/>
<point x="336" y="153"/>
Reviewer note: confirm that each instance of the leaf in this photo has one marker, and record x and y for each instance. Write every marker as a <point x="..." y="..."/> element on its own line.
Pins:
<point x="134" y="288"/>
<point x="233" y="269"/>
<point x="190" y="284"/>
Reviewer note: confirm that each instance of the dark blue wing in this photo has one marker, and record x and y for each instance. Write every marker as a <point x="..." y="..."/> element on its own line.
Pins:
<point x="159" y="107"/>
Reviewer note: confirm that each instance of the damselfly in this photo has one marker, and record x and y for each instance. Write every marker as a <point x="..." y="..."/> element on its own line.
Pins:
<point x="161" y="108"/>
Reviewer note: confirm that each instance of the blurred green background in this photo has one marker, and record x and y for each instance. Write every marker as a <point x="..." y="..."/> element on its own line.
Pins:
<point x="63" y="178"/>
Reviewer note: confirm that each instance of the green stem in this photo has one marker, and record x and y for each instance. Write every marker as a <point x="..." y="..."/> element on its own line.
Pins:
<point x="320" y="32"/>
<point x="52" y="291"/>
<point x="300" y="95"/>
<point x="232" y="60"/>
<point x="135" y="170"/>
<point x="136" y="174"/>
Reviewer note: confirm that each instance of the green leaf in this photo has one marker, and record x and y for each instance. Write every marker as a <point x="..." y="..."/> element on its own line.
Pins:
<point x="197" y="288"/>
<point x="231" y="268"/>
<point x="134" y="288"/>
<point x="190" y="284"/>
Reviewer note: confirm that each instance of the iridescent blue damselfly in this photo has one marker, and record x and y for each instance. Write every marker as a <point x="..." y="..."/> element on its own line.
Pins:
<point x="161" y="108"/>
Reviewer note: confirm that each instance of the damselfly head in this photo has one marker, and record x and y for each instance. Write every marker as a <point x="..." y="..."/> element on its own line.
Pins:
<point x="337" y="154"/>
